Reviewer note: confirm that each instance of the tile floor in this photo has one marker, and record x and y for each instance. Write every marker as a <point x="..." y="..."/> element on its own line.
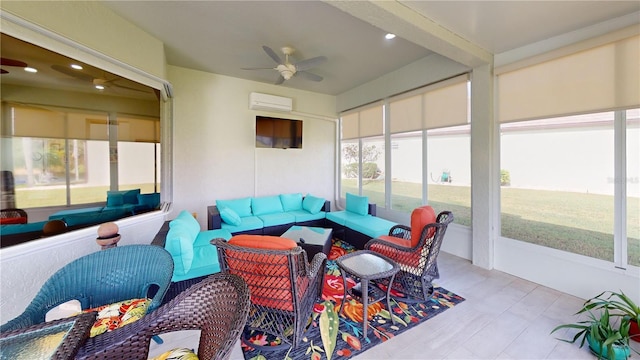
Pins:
<point x="503" y="317"/>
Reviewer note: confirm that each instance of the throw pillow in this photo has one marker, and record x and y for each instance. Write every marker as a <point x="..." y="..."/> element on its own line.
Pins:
<point x="177" y="354"/>
<point x="291" y="202"/>
<point x="150" y="201"/>
<point x="358" y="204"/>
<point x="115" y="199"/>
<point x="131" y="196"/>
<point x="187" y="220"/>
<point x="312" y="204"/>
<point x="230" y="217"/>
<point x="116" y="315"/>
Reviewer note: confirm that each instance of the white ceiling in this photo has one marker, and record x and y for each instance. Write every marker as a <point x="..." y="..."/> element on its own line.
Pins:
<point x="223" y="37"/>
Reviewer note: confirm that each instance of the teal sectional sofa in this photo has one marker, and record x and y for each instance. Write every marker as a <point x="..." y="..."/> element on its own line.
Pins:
<point x="193" y="255"/>
<point x="358" y="223"/>
<point x="267" y="215"/>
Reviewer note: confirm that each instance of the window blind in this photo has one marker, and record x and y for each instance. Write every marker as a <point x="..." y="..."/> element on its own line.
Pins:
<point x="364" y="122"/>
<point x="600" y="78"/>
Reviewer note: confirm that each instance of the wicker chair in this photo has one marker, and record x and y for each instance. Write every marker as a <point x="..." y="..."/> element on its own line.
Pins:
<point x="217" y="305"/>
<point x="101" y="278"/>
<point x="13" y="216"/>
<point x="416" y="250"/>
<point x="284" y="287"/>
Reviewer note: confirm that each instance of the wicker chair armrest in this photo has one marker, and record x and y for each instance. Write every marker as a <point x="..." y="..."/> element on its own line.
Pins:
<point x="400" y="231"/>
<point x="317" y="265"/>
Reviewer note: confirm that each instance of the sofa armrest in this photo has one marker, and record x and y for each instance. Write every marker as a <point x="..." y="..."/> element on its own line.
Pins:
<point x="161" y="237"/>
<point x="214" y="221"/>
<point x="372" y="209"/>
<point x="327" y="206"/>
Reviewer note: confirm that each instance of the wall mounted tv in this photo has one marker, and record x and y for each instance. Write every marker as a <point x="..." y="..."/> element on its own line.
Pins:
<point x="278" y="133"/>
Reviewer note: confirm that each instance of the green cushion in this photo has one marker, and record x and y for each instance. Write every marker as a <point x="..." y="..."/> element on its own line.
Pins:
<point x="242" y="207"/>
<point x="291" y="202"/>
<point x="179" y="243"/>
<point x="266" y="205"/>
<point x="230" y="217"/>
<point x="358" y="204"/>
<point x="312" y="204"/>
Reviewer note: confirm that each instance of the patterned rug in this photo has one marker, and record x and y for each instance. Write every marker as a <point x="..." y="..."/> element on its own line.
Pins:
<point x="321" y="343"/>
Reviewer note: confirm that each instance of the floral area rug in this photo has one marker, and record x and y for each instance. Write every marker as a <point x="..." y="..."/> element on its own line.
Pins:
<point x="322" y="340"/>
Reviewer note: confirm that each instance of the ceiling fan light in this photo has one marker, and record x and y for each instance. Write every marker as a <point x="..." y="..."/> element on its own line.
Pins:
<point x="390" y="36"/>
<point x="76" y="66"/>
<point x="31" y="70"/>
<point x="100" y="87"/>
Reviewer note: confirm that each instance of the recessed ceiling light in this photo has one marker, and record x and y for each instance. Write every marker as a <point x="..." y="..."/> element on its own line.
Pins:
<point x="76" y="66"/>
<point x="31" y="70"/>
<point x="389" y="36"/>
<point x="99" y="87"/>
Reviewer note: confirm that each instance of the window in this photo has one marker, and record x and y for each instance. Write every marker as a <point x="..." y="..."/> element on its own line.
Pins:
<point x="559" y="192"/>
<point x="633" y="186"/>
<point x="406" y="167"/>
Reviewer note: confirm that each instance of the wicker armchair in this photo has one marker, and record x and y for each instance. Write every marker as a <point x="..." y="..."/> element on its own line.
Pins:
<point x="101" y="278"/>
<point x="283" y="285"/>
<point x="217" y="306"/>
<point x="13" y="216"/>
<point x="416" y="250"/>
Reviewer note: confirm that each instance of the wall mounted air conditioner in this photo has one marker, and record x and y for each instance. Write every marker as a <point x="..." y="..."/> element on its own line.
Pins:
<point x="258" y="101"/>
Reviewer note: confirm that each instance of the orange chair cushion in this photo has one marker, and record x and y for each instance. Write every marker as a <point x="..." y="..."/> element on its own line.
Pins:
<point x="263" y="242"/>
<point x="268" y="275"/>
<point x="419" y="218"/>
<point x="13" y="220"/>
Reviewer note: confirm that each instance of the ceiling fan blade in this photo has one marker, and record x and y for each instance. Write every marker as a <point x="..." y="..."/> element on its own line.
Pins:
<point x="310" y="63"/>
<point x="12" y="62"/>
<point x="272" y="54"/>
<point x="258" y="68"/>
<point x="3" y="71"/>
<point x="73" y="73"/>
<point x="127" y="87"/>
<point x="280" y="80"/>
<point x="309" y="76"/>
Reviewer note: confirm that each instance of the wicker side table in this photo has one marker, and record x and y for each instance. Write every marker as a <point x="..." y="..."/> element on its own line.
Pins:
<point x="367" y="265"/>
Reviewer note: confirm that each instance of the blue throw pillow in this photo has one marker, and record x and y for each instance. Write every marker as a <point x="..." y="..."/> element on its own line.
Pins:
<point x="242" y="207"/>
<point x="186" y="220"/>
<point x="115" y="199"/>
<point x="358" y="204"/>
<point x="230" y="217"/>
<point x="179" y="244"/>
<point x="312" y="204"/>
<point x="291" y="202"/>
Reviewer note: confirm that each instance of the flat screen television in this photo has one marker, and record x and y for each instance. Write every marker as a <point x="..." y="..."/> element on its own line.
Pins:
<point x="278" y="133"/>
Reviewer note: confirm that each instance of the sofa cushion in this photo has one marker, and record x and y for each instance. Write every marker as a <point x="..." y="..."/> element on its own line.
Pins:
<point x="115" y="199"/>
<point x="371" y="226"/>
<point x="248" y="223"/>
<point x="357" y="204"/>
<point x="117" y="315"/>
<point x="266" y="205"/>
<point x="230" y="217"/>
<point x="128" y="196"/>
<point x="304" y="215"/>
<point x="242" y="207"/>
<point x="179" y="243"/>
<point x="186" y="220"/>
<point x="341" y="217"/>
<point x="291" y="202"/>
<point x="312" y="204"/>
<point x="277" y="219"/>
<point x="263" y="242"/>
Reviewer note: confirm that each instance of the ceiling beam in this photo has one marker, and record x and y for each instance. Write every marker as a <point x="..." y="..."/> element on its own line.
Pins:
<point x="395" y="17"/>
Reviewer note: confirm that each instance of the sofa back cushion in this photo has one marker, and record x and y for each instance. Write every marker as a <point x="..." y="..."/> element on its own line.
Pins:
<point x="291" y="202"/>
<point x="357" y="204"/>
<point x="266" y="205"/>
<point x="149" y="201"/>
<point x="312" y="204"/>
<point x="242" y="207"/>
<point x="128" y="196"/>
<point x="420" y="217"/>
<point x="115" y="199"/>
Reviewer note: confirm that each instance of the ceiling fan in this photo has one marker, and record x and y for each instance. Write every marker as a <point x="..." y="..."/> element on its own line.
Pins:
<point x="11" y="62"/>
<point x="98" y="82"/>
<point x="287" y="70"/>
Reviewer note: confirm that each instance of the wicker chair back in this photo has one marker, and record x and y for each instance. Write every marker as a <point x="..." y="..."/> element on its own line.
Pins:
<point x="100" y="278"/>
<point x="283" y="286"/>
<point x="217" y="306"/>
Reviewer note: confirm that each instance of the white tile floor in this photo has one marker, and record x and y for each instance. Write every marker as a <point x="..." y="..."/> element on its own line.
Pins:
<point x="503" y="317"/>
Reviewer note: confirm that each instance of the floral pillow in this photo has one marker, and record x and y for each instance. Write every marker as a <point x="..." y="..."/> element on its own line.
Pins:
<point x="177" y="354"/>
<point x="113" y="316"/>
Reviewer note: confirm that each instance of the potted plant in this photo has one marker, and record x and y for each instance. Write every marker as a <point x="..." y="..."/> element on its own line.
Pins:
<point x="621" y="305"/>
<point x="606" y="341"/>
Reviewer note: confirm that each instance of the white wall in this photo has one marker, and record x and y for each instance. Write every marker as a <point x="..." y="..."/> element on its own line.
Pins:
<point x="214" y="143"/>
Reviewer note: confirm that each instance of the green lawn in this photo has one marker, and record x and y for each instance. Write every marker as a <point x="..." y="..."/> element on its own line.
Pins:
<point x="576" y="222"/>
